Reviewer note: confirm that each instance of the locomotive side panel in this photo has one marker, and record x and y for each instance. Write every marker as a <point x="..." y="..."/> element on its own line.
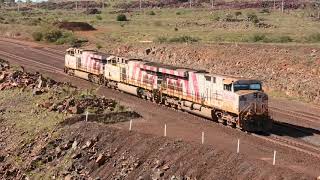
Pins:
<point x="91" y="63"/>
<point x="112" y="72"/>
<point x="70" y="61"/>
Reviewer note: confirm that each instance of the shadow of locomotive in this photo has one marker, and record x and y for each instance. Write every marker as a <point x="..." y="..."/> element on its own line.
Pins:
<point x="291" y="130"/>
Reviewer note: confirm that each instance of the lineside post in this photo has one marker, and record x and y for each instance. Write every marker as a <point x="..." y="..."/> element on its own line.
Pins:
<point x="87" y="114"/>
<point x="238" y="147"/>
<point x="202" y="138"/>
<point x="274" y="157"/>
<point x="165" y="130"/>
<point x="130" y="125"/>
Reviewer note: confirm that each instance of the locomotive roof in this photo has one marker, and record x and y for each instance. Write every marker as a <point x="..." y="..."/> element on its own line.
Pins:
<point x="97" y="53"/>
<point x="171" y="67"/>
<point x="228" y="79"/>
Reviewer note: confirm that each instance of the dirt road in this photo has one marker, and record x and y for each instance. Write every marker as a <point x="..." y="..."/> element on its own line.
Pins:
<point x="303" y="123"/>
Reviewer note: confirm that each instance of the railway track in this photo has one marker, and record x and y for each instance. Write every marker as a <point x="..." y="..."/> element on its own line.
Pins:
<point x="9" y="56"/>
<point x="293" y="144"/>
<point x="49" y="51"/>
<point x="297" y="114"/>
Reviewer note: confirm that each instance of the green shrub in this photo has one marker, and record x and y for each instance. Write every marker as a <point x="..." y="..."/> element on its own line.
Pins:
<point x="181" y="39"/>
<point x="98" y="46"/>
<point x="151" y="13"/>
<point x="238" y="13"/>
<point x="253" y="18"/>
<point x="313" y="38"/>
<point x="285" y="39"/>
<point x="258" y="38"/>
<point x="161" y="39"/>
<point x="122" y="17"/>
<point x="265" y="39"/>
<point x="98" y="17"/>
<point x="184" y="39"/>
<point x="229" y="18"/>
<point x="178" y="13"/>
<point x="66" y="38"/>
<point x="52" y="35"/>
<point x="216" y="17"/>
<point x="37" y="36"/>
<point x="265" y="11"/>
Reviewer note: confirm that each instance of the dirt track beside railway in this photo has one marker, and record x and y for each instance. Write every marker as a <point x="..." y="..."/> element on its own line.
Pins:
<point x="180" y="125"/>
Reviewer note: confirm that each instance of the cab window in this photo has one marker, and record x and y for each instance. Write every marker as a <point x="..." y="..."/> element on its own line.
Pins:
<point x="254" y="86"/>
<point x="227" y="87"/>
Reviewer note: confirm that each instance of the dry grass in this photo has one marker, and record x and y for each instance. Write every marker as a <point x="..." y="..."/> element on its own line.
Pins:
<point x="203" y="24"/>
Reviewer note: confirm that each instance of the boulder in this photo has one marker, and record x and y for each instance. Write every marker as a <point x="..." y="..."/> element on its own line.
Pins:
<point x="101" y="159"/>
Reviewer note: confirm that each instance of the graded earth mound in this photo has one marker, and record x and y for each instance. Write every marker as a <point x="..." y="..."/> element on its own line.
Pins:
<point x="75" y="26"/>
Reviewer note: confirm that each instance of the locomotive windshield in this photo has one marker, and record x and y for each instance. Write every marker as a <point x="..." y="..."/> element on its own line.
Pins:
<point x="254" y="86"/>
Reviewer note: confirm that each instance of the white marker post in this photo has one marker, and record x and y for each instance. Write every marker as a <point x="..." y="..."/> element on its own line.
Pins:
<point x="202" y="138"/>
<point x="87" y="114"/>
<point x="238" y="147"/>
<point x="130" y="125"/>
<point x="274" y="157"/>
<point x="165" y="130"/>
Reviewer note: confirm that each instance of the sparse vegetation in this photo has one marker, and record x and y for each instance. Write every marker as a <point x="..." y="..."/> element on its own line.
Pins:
<point x="264" y="38"/>
<point x="98" y="46"/>
<point x="53" y="35"/>
<point x="188" y="22"/>
<point x="151" y="13"/>
<point x="253" y="18"/>
<point x="313" y="38"/>
<point x="180" y="39"/>
<point x="98" y="17"/>
<point x="37" y="36"/>
<point x="237" y="13"/>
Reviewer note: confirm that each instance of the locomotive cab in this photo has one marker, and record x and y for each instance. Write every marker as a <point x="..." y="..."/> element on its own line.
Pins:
<point x="252" y="104"/>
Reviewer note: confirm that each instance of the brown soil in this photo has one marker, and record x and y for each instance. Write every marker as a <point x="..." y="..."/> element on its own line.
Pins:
<point x="75" y="26"/>
<point x="128" y="155"/>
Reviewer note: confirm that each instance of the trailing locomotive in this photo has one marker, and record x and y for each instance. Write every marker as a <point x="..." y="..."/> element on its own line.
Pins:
<point x="236" y="102"/>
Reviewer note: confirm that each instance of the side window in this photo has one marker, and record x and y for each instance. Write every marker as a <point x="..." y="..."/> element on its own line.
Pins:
<point x="71" y="53"/>
<point x="227" y="87"/>
<point x="214" y="79"/>
<point x="208" y="78"/>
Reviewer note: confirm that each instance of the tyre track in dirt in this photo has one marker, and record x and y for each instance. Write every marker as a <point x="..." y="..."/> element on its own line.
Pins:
<point x="155" y="116"/>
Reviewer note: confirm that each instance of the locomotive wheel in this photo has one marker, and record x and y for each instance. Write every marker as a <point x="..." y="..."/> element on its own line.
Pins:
<point x="70" y="72"/>
<point x="214" y="116"/>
